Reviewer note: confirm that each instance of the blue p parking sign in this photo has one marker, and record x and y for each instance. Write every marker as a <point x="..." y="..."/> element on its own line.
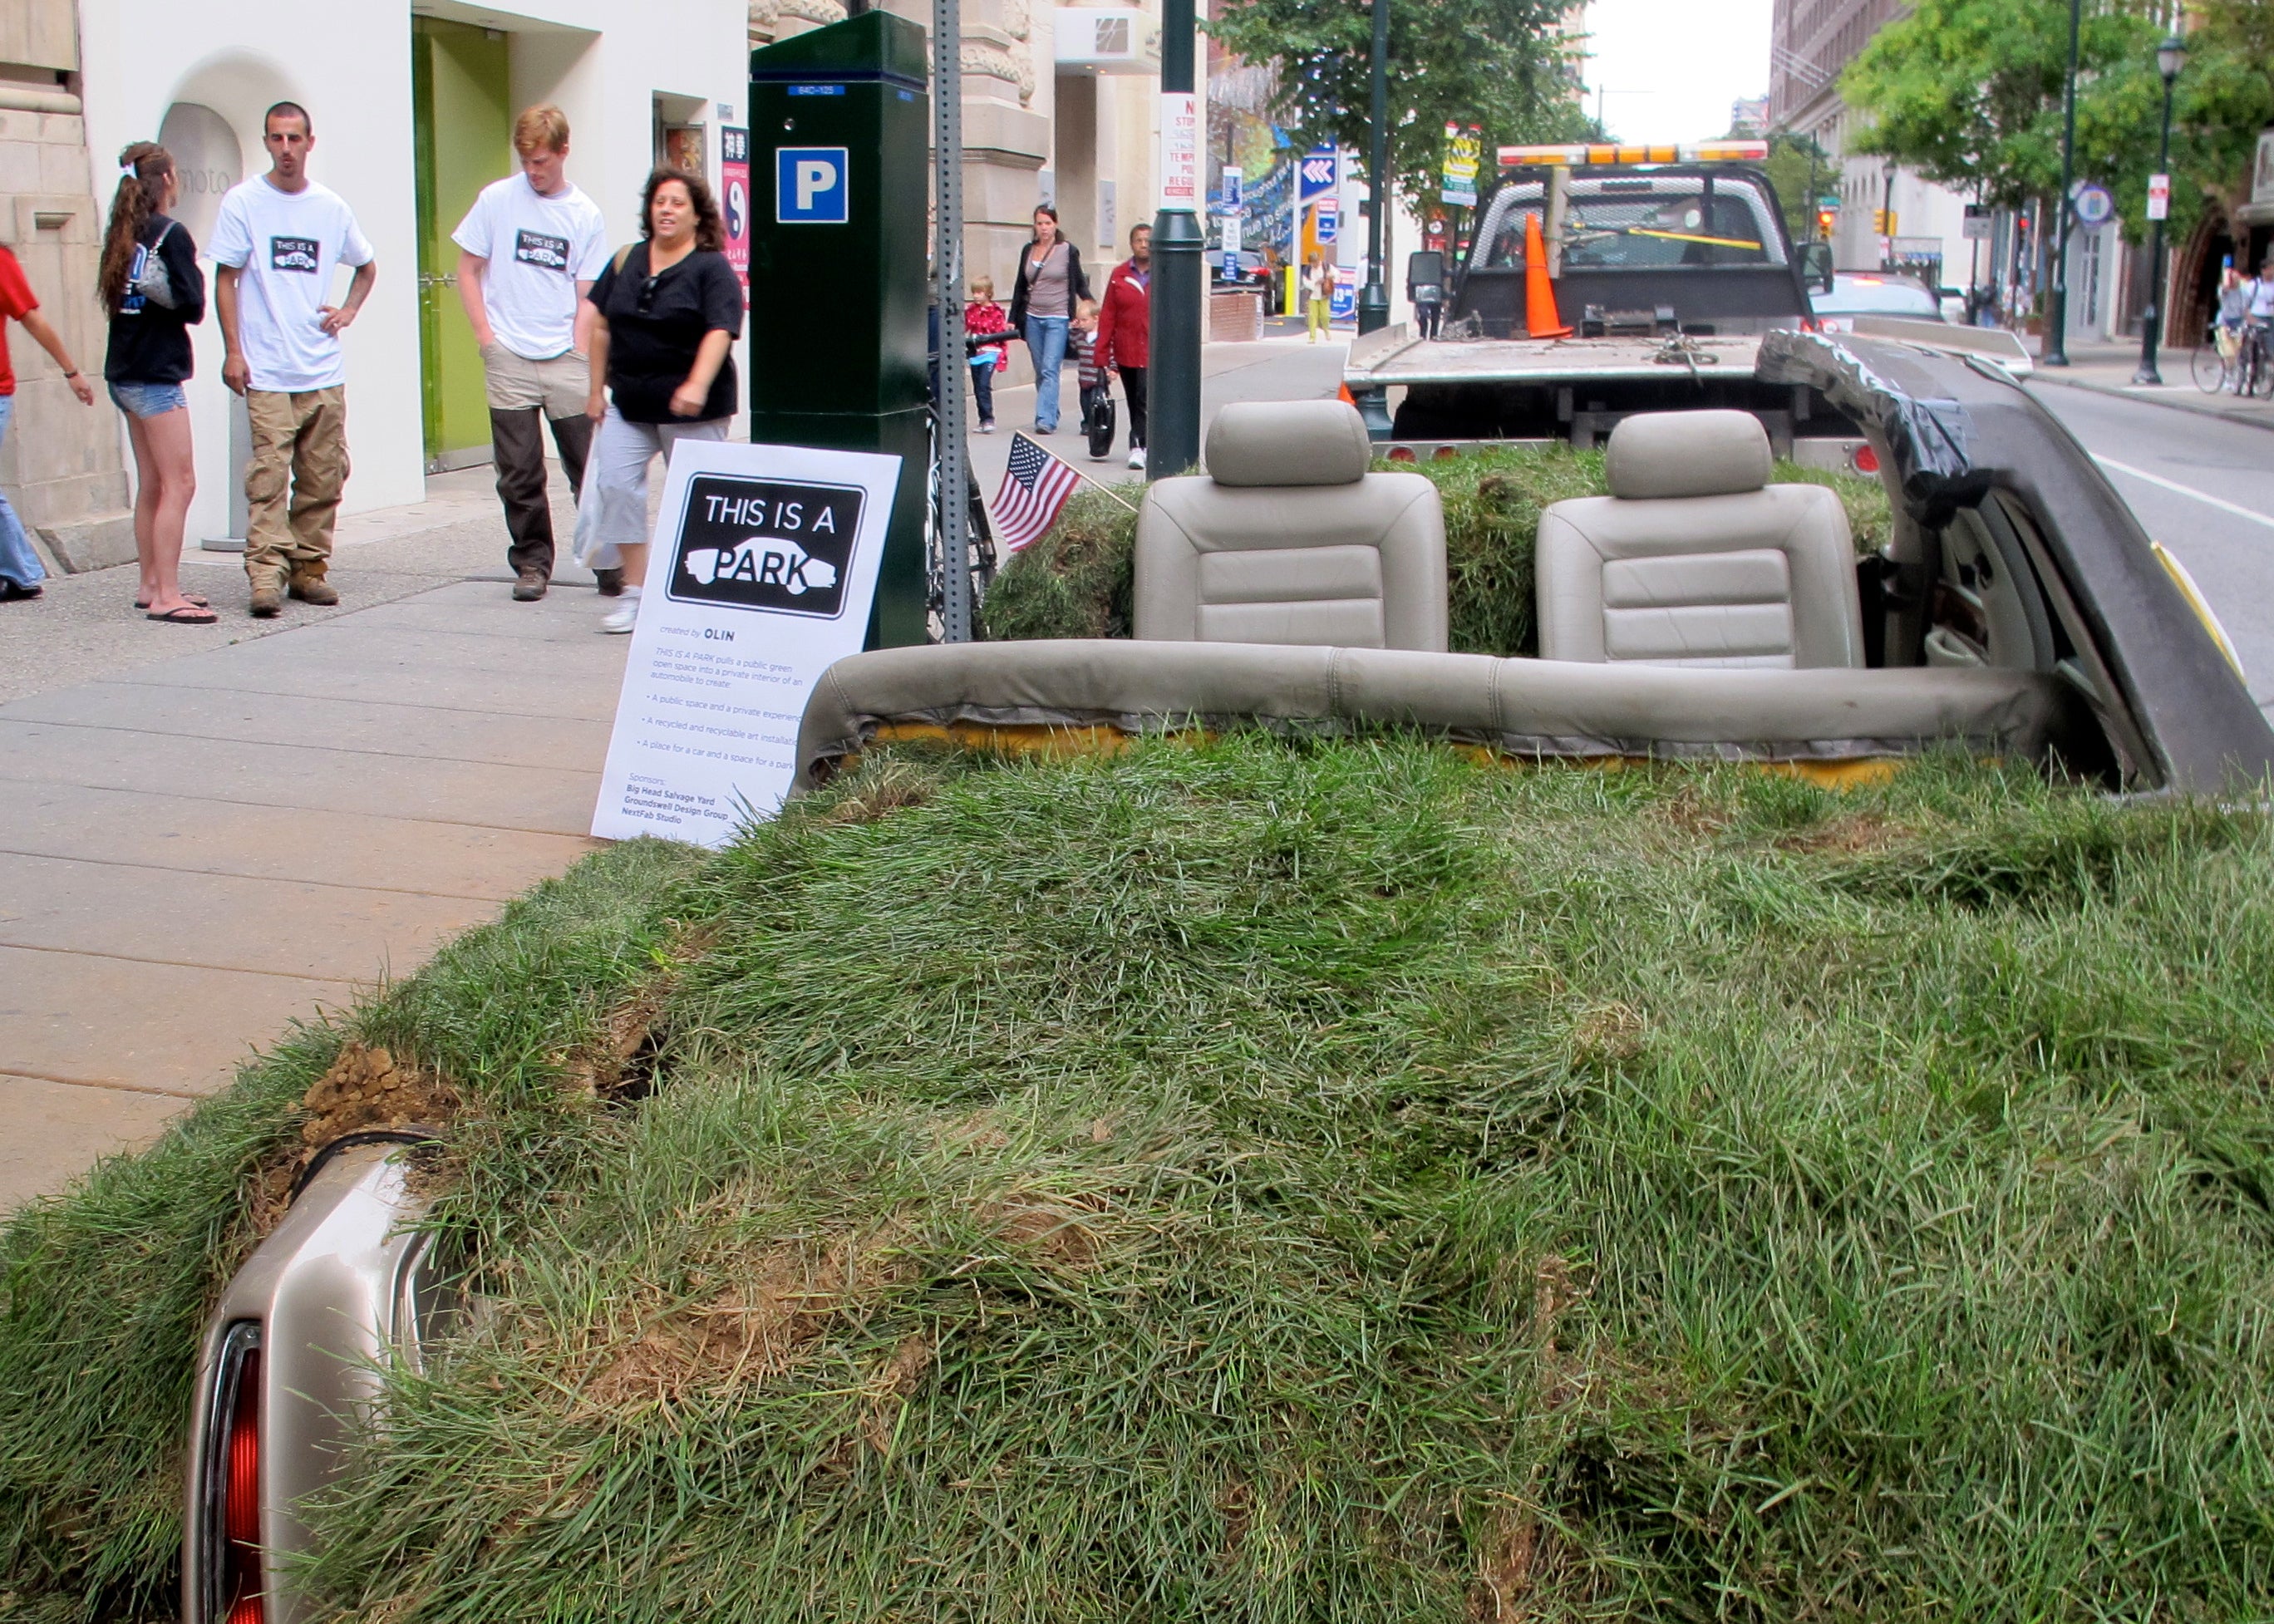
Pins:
<point x="812" y="186"/>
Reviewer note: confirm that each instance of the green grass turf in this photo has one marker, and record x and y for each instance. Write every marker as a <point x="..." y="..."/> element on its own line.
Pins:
<point x="1277" y="1181"/>
<point x="1076" y="580"/>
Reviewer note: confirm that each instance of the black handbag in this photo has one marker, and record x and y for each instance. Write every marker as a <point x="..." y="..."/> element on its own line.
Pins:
<point x="1099" y="424"/>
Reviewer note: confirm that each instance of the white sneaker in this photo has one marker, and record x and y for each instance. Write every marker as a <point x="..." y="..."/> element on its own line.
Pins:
<point x="1136" y="456"/>
<point x="625" y="615"/>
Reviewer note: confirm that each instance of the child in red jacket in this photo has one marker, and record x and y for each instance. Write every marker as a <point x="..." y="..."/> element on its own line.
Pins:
<point x="982" y="316"/>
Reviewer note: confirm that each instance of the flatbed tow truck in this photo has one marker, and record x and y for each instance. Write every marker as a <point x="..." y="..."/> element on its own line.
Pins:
<point x="1601" y="281"/>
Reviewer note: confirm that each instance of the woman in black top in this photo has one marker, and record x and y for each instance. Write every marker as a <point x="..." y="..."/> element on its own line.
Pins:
<point x="152" y="287"/>
<point x="670" y="308"/>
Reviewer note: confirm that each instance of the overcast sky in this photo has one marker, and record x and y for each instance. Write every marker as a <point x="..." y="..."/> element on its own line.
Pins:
<point x="1668" y="69"/>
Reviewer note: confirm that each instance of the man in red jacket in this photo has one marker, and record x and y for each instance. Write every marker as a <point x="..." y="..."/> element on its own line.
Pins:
<point x="1125" y="331"/>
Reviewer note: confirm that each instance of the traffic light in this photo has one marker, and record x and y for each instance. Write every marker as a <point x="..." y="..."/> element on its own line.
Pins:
<point x="1824" y="219"/>
<point x="1883" y="222"/>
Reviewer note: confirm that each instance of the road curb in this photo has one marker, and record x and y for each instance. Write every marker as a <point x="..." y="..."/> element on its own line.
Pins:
<point x="2116" y="392"/>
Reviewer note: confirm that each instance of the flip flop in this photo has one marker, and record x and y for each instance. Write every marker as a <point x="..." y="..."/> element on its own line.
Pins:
<point x="202" y="602"/>
<point x="189" y="614"/>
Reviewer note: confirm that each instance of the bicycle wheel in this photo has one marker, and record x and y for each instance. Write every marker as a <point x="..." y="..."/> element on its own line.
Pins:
<point x="2257" y="374"/>
<point x="2208" y="367"/>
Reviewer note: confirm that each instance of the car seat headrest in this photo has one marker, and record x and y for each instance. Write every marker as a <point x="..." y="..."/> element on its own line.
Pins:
<point x="1661" y="454"/>
<point x="1288" y="442"/>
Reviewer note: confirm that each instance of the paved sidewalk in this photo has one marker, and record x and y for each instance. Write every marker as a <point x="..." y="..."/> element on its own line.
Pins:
<point x="2107" y="369"/>
<point x="206" y="833"/>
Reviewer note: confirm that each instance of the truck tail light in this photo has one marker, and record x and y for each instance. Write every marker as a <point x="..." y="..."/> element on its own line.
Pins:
<point x="1864" y="460"/>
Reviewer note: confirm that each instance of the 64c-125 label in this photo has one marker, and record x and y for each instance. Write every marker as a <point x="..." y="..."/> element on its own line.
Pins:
<point x="764" y="544"/>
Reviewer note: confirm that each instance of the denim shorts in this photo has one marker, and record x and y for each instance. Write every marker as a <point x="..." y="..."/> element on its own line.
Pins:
<point x="147" y="400"/>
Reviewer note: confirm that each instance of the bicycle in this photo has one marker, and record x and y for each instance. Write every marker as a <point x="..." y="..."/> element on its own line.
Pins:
<point x="2207" y="363"/>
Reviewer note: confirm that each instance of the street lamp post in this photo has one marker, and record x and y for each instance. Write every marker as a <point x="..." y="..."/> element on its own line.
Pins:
<point x="1374" y="301"/>
<point x="2056" y="353"/>
<point x="2170" y="56"/>
<point x="1173" y="445"/>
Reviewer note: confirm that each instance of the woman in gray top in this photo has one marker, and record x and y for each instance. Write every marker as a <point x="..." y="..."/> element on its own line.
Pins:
<point x="1050" y="281"/>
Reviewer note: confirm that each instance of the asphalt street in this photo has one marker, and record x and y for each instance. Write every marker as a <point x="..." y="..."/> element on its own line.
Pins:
<point x="2205" y="489"/>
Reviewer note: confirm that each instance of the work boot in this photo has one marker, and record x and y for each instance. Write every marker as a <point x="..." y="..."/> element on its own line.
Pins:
<point x="310" y="588"/>
<point x="611" y="582"/>
<point x="266" y="601"/>
<point x="529" y="586"/>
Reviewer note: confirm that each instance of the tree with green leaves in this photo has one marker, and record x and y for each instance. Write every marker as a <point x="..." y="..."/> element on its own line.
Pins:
<point x="1498" y="64"/>
<point x="1968" y="94"/>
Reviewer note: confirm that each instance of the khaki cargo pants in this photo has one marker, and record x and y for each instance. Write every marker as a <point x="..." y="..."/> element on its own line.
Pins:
<point x="293" y="483"/>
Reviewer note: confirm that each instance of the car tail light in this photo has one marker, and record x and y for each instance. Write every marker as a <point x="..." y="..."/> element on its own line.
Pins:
<point x="231" y="1535"/>
<point x="1864" y="460"/>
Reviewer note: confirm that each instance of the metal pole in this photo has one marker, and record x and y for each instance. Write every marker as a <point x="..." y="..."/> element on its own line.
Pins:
<point x="1374" y="300"/>
<point x="2055" y="349"/>
<point x="2153" y="318"/>
<point x="1173" y="442"/>
<point x="948" y="260"/>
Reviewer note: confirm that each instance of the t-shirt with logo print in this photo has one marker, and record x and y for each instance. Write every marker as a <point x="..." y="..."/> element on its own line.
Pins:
<point x="288" y="246"/>
<point x="538" y="248"/>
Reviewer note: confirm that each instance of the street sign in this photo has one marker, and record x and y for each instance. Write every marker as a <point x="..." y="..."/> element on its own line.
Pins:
<point x="1329" y="211"/>
<point x="1231" y="223"/>
<point x="1234" y="191"/>
<point x="1316" y="177"/>
<point x="1978" y="222"/>
<point x="1827" y="199"/>
<point x="2159" y="197"/>
<point x="734" y="199"/>
<point x="1464" y="150"/>
<point x="1232" y="265"/>
<point x="2094" y="205"/>
<point x="809" y="187"/>
<point x="1180" y="151"/>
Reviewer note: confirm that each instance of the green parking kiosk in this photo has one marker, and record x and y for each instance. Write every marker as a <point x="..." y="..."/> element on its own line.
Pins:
<point x="839" y="168"/>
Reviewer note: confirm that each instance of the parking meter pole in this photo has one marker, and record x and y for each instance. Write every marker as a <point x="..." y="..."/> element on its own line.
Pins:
<point x="948" y="257"/>
<point x="2056" y="345"/>
<point x="1173" y="377"/>
<point x="840" y="127"/>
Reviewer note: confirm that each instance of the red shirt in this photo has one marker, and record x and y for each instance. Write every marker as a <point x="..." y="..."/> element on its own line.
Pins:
<point x="1124" y="321"/>
<point x="15" y="299"/>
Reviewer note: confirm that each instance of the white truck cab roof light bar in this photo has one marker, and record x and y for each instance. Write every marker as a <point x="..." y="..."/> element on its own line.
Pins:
<point x="1581" y="154"/>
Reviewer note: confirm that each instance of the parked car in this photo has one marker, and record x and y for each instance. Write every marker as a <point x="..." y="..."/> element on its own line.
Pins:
<point x="2017" y="611"/>
<point x="1254" y="273"/>
<point x="1873" y="293"/>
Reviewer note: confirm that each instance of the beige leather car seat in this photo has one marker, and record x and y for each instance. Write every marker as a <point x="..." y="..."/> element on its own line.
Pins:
<point x="1288" y="540"/>
<point x="1694" y="558"/>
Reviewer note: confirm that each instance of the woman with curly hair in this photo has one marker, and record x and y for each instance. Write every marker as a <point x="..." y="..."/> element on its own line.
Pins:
<point x="669" y="310"/>
<point x="150" y="284"/>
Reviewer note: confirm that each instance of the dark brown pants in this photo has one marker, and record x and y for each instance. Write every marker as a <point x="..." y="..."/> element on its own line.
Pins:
<point x="518" y="447"/>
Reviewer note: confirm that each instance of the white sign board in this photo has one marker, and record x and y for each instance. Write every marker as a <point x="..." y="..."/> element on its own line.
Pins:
<point x="761" y="576"/>
<point x="1231" y="223"/>
<point x="2159" y="197"/>
<point x="1180" y="150"/>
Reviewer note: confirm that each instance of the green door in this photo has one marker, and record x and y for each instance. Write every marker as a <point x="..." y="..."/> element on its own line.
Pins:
<point x="463" y="115"/>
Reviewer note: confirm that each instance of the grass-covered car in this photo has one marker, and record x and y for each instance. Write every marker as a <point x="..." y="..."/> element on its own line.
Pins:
<point x="1172" y="1128"/>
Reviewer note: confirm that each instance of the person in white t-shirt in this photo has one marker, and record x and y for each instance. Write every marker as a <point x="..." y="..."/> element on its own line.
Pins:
<point x="279" y="241"/>
<point x="528" y="250"/>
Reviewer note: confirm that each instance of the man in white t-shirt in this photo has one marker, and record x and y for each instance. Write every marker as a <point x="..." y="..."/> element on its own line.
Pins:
<point x="528" y="250"/>
<point x="279" y="241"/>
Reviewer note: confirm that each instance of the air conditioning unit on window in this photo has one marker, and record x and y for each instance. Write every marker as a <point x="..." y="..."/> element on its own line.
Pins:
<point x="1107" y="40"/>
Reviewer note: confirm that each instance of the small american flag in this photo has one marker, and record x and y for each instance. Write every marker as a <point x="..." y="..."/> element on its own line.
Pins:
<point x="1034" y="487"/>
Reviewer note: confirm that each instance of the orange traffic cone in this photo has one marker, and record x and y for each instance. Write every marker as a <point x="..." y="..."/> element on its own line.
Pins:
<point x="1541" y="317"/>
